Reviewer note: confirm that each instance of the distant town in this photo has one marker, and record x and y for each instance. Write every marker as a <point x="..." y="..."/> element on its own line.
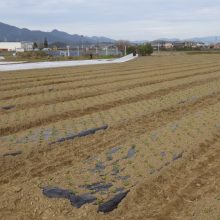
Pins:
<point x="116" y="48"/>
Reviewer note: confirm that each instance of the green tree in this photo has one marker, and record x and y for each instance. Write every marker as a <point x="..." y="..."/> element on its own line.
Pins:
<point x="45" y="43"/>
<point x="131" y="49"/>
<point x="145" y="49"/>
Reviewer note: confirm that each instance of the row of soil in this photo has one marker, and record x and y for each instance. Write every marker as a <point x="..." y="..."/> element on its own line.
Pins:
<point x="70" y="85"/>
<point x="89" y="74"/>
<point x="37" y="101"/>
<point x="116" y="135"/>
<point x="170" y="194"/>
<point x="93" y="145"/>
<point x="176" y="192"/>
<point x="148" y="104"/>
<point x="151" y="63"/>
<point x="177" y="182"/>
<point x="65" y="107"/>
<point x="117" y="74"/>
<point x="150" y="152"/>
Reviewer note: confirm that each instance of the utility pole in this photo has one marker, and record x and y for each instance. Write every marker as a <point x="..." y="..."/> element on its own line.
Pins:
<point x="106" y="51"/>
<point x="158" y="47"/>
<point x="116" y="50"/>
<point x="125" y="50"/>
<point x="82" y="42"/>
<point x="78" y="51"/>
<point x="68" y="51"/>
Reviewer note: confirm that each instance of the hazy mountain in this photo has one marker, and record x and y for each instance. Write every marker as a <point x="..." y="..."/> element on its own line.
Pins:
<point x="139" y="41"/>
<point x="12" y="33"/>
<point x="207" y="40"/>
<point x="168" y="39"/>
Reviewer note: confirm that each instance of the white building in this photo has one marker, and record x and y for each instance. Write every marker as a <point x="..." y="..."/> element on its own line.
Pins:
<point x="16" y="46"/>
<point x="168" y="45"/>
<point x="27" y="46"/>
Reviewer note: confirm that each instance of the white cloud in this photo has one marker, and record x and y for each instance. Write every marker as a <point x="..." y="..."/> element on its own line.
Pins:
<point x="128" y="19"/>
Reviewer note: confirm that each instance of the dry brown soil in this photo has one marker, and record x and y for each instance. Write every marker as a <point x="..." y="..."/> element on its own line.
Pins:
<point x="165" y="108"/>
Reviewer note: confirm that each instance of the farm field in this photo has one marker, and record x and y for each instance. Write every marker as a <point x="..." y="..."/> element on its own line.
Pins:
<point x="147" y="130"/>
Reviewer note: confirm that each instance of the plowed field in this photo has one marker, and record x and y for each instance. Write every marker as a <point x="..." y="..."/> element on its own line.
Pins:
<point x="161" y="145"/>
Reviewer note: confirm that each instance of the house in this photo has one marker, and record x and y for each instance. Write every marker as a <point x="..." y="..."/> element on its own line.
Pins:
<point x="161" y="44"/>
<point x="168" y="45"/>
<point x="192" y="44"/>
<point x="200" y="45"/>
<point x="179" y="44"/>
<point x="217" y="46"/>
<point x="158" y="44"/>
<point x="16" y="46"/>
<point x="188" y="44"/>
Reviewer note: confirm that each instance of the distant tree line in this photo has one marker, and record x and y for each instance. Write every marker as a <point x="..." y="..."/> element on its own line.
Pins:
<point x="41" y="45"/>
<point x="143" y="49"/>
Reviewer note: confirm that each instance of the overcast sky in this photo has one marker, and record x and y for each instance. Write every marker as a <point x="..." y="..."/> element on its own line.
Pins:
<point x="118" y="19"/>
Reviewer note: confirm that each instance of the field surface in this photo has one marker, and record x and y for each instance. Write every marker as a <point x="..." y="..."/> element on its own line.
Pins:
<point x="148" y="129"/>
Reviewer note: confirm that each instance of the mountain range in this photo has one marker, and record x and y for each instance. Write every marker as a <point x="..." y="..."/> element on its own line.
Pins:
<point x="206" y="40"/>
<point x="12" y="33"/>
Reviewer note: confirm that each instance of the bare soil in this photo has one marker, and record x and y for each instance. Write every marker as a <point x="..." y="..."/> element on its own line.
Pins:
<point x="162" y="142"/>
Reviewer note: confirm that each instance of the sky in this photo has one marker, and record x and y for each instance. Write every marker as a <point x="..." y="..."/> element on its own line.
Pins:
<point x="117" y="19"/>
